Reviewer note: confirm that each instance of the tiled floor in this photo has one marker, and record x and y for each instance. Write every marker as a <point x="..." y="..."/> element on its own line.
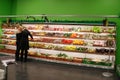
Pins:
<point x="39" y="70"/>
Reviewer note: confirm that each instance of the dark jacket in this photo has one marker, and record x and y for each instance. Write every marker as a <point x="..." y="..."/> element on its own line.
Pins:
<point x="25" y="39"/>
<point x="18" y="40"/>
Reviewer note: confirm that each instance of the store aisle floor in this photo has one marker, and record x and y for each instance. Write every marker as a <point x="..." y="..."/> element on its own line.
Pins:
<point x="34" y="70"/>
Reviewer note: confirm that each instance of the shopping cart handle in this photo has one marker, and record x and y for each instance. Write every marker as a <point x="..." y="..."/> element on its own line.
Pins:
<point x="8" y="62"/>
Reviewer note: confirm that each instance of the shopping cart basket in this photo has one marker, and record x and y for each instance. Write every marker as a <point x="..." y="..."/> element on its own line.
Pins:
<point x="5" y="62"/>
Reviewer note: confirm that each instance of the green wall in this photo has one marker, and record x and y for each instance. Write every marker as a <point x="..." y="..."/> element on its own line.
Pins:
<point x="5" y="7"/>
<point x="68" y="7"/>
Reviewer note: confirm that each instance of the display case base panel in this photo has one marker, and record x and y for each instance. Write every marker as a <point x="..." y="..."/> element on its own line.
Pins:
<point x="64" y="62"/>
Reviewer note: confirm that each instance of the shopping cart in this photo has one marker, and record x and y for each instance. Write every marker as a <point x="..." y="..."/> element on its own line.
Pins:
<point x="5" y="62"/>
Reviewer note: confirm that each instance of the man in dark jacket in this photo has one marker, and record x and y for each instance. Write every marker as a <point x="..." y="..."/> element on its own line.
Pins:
<point x="18" y="42"/>
<point x="25" y="43"/>
<point x="18" y="46"/>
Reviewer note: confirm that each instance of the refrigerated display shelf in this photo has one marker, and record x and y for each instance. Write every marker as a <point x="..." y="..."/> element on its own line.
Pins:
<point x="10" y="46"/>
<point x="64" y="62"/>
<point x="64" y="44"/>
<point x="91" y="33"/>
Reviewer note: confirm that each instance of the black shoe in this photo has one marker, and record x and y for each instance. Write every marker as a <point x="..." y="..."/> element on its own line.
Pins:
<point x="25" y="60"/>
<point x="16" y="59"/>
<point x="21" y="60"/>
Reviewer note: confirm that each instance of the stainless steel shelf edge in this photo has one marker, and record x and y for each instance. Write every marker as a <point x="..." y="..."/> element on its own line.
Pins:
<point x="61" y="15"/>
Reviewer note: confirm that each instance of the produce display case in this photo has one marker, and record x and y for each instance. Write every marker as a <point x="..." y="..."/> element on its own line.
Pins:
<point x="91" y="45"/>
